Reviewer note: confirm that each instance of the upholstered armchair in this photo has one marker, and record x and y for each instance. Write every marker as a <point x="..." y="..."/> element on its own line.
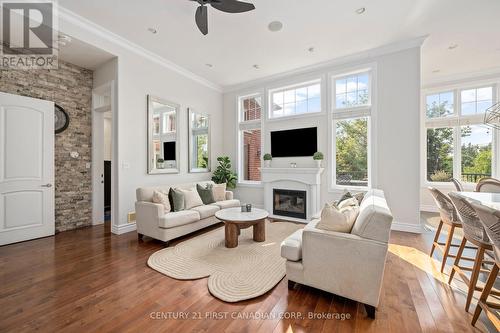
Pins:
<point x="350" y="265"/>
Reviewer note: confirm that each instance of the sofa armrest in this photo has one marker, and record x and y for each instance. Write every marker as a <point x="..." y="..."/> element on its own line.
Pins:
<point x="344" y="264"/>
<point x="148" y="213"/>
<point x="229" y="195"/>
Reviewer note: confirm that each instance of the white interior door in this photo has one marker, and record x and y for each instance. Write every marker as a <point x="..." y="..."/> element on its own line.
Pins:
<point x="26" y="168"/>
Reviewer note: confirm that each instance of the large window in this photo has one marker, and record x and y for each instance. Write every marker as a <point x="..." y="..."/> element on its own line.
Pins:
<point x="351" y="91"/>
<point x="351" y="116"/>
<point x="250" y="138"/>
<point x="301" y="99"/>
<point x="458" y="144"/>
<point x="351" y="140"/>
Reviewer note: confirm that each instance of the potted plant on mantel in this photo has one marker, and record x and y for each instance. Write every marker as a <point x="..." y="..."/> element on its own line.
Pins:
<point x="267" y="160"/>
<point x="318" y="157"/>
<point x="160" y="163"/>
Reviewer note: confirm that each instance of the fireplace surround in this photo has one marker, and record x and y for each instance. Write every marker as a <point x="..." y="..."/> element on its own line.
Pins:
<point x="290" y="203"/>
<point x="305" y="181"/>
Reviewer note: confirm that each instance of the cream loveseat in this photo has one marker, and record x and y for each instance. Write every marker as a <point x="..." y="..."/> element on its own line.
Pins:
<point x="350" y="265"/>
<point x="152" y="220"/>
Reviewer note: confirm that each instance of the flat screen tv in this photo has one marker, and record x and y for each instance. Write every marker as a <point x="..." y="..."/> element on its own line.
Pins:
<point x="294" y="143"/>
<point x="169" y="151"/>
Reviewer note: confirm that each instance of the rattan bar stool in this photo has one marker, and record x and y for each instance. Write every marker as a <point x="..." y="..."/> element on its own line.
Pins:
<point x="475" y="234"/>
<point x="490" y="218"/>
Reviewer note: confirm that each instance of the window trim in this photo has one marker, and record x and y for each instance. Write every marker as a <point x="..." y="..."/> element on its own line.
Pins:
<point x="358" y="111"/>
<point x="455" y="121"/>
<point x="302" y="84"/>
<point x="334" y="184"/>
<point x="241" y="125"/>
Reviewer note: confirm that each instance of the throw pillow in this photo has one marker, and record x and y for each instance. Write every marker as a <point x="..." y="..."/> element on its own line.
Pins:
<point x="219" y="192"/>
<point x="191" y="198"/>
<point x="205" y="193"/>
<point x="348" y="203"/>
<point x="346" y="195"/>
<point x="359" y="196"/>
<point x="333" y="219"/>
<point x="177" y="199"/>
<point x="161" y="197"/>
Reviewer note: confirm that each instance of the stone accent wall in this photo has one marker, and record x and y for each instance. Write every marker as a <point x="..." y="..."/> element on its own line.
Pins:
<point x="70" y="87"/>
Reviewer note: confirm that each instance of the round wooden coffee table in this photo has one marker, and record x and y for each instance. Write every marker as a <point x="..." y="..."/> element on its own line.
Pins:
<point x="235" y="220"/>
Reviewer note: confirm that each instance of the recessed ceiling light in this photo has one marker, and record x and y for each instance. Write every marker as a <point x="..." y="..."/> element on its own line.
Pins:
<point x="436" y="71"/>
<point x="256" y="66"/>
<point x="361" y="10"/>
<point x="153" y="30"/>
<point x="311" y="49"/>
<point x="275" y="26"/>
<point x="209" y="65"/>
<point x="452" y="46"/>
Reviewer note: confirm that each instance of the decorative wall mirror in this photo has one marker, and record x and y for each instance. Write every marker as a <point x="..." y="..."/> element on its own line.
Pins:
<point x="199" y="141"/>
<point x="163" y="138"/>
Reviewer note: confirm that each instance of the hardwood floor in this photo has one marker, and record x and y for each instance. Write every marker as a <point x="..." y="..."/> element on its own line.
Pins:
<point x="92" y="281"/>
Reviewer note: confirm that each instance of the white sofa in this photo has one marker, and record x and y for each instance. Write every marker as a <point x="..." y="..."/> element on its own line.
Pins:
<point x="152" y="220"/>
<point x="350" y="265"/>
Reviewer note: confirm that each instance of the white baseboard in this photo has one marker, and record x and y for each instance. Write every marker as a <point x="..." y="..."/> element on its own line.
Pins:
<point x="429" y="208"/>
<point x="123" y="228"/>
<point x="407" y="227"/>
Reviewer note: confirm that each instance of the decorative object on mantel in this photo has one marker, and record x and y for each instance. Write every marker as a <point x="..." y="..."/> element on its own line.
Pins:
<point x="492" y="116"/>
<point x="160" y="163"/>
<point x="318" y="157"/>
<point x="61" y="119"/>
<point x="224" y="173"/>
<point x="267" y="160"/>
<point x="293" y="165"/>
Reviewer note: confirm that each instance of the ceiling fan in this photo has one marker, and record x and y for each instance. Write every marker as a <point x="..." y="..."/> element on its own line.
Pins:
<point x="227" y="6"/>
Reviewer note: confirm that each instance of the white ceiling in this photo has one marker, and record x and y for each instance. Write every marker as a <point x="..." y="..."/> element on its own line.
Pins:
<point x="83" y="54"/>
<point x="236" y="42"/>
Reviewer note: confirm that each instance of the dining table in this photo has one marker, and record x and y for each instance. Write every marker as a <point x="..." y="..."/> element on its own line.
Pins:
<point x="488" y="199"/>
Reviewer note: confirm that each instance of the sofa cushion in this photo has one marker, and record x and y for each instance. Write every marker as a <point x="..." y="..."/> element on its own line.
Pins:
<point x="291" y="247"/>
<point x="219" y="192"/>
<point x="177" y="199"/>
<point x="206" y="210"/>
<point x="227" y="203"/>
<point x="374" y="219"/>
<point x="162" y="198"/>
<point x="176" y="219"/>
<point x="339" y="220"/>
<point x="191" y="198"/>
<point x="205" y="193"/>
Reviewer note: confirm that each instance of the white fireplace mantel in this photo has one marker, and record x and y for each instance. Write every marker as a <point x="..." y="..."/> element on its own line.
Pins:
<point x="300" y="179"/>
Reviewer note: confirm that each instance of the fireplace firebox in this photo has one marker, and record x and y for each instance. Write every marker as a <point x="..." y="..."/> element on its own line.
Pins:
<point x="290" y="203"/>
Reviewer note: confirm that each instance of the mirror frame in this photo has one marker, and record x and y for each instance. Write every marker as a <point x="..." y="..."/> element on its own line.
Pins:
<point x="152" y="170"/>
<point x="191" y="143"/>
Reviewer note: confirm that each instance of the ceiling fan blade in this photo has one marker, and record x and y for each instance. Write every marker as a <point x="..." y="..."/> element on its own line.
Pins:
<point x="232" y="6"/>
<point x="201" y="18"/>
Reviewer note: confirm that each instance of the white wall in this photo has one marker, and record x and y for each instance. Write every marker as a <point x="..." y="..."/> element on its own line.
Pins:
<point x="138" y="76"/>
<point x="396" y="132"/>
<point x="107" y="138"/>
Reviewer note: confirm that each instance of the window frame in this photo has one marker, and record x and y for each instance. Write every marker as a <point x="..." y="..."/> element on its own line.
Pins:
<point x="358" y="111"/>
<point x="456" y="121"/>
<point x="242" y="125"/>
<point x="295" y="86"/>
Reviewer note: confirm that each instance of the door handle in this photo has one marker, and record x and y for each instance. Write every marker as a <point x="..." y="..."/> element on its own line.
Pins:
<point x="47" y="185"/>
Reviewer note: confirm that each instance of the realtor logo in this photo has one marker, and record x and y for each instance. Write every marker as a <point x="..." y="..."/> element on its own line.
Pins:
<point x="28" y="35"/>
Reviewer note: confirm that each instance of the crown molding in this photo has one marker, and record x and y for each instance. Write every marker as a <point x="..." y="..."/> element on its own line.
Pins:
<point x="360" y="56"/>
<point x="100" y="31"/>
<point x="453" y="79"/>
